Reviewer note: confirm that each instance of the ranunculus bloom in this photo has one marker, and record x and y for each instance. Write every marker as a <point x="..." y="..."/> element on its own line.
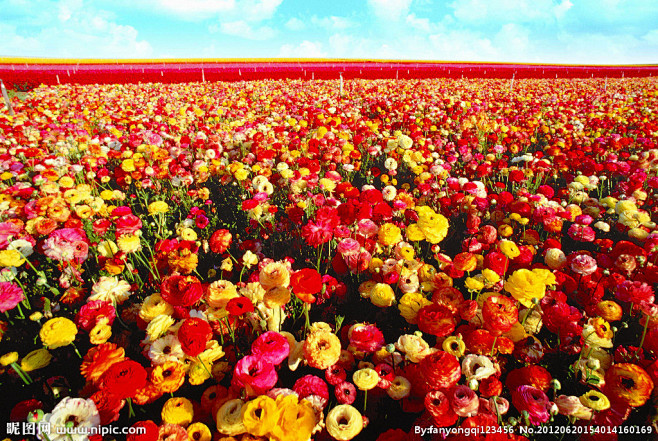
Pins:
<point x="10" y="296"/>
<point x="440" y="370"/>
<point x="344" y="422"/>
<point x="256" y="375"/>
<point x="124" y="379"/>
<point x="193" y="335"/>
<point x="238" y="306"/>
<point x="311" y="385"/>
<point x="271" y="346"/>
<point x="366" y="338"/>
<point x="180" y="290"/>
<point x="260" y="415"/>
<point x="437" y="319"/>
<point x="305" y="283"/>
<point x="438" y="405"/>
<point x="628" y="383"/>
<point x="499" y="314"/>
<point x="532" y="375"/>
<point x="464" y="401"/>
<point x="322" y="349"/>
<point x="534" y="401"/>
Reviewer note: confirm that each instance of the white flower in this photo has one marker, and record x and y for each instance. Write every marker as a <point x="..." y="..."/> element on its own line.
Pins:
<point x="389" y="192"/>
<point x="81" y="413"/>
<point x="110" y="289"/>
<point x="390" y="164"/>
<point x="477" y="367"/>
<point x="165" y="349"/>
<point x="23" y="246"/>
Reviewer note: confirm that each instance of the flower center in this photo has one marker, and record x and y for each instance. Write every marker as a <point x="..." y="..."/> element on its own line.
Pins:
<point x="627" y="383"/>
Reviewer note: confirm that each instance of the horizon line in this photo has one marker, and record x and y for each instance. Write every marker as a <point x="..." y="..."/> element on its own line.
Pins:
<point x="58" y="60"/>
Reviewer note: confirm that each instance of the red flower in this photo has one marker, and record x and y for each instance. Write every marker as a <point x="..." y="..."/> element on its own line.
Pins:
<point x="220" y="241"/>
<point x="123" y="379"/>
<point x="194" y="334"/>
<point x="239" y="305"/>
<point x="497" y="262"/>
<point x="366" y="338"/>
<point x="499" y="314"/>
<point x="151" y="432"/>
<point x="180" y="290"/>
<point x="437" y="319"/>
<point x="108" y="406"/>
<point x="438" y="405"/>
<point x="305" y="283"/>
<point x="490" y="386"/>
<point x="440" y="370"/>
<point x="532" y="375"/>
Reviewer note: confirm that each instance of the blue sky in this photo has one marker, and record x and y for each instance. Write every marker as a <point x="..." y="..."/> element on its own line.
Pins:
<point x="552" y="31"/>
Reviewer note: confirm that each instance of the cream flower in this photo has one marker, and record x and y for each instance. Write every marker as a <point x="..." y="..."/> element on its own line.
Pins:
<point x="110" y="289"/>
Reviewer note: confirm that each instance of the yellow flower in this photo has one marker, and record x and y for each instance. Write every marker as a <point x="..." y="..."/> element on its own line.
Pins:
<point x="595" y="400"/>
<point x="227" y="265"/>
<point x="9" y="358"/>
<point x="11" y="258"/>
<point x="178" y="410"/>
<point x="249" y="259"/>
<point x="154" y="306"/>
<point x="274" y="274"/>
<point x="321" y="349"/>
<point x="220" y="292"/>
<point x="491" y="277"/>
<point x="509" y="248"/>
<point x="365" y="379"/>
<point x="58" y="332"/>
<point x="410" y="304"/>
<point x="37" y="359"/>
<point x="525" y="285"/>
<point x="101" y="332"/>
<point x="158" y="326"/>
<point x="129" y="243"/>
<point x="432" y="226"/>
<point x="473" y="284"/>
<point x="296" y="419"/>
<point x="382" y="295"/>
<point x="454" y="345"/>
<point x="400" y="388"/>
<point x="344" y="422"/>
<point x="389" y="234"/>
<point x="158" y="207"/>
<point x="229" y="418"/>
<point x="66" y="182"/>
<point x="107" y="248"/>
<point x="199" y="432"/>
<point x="128" y="165"/>
<point x="260" y="415"/>
<point x="188" y="234"/>
<point x="277" y="296"/>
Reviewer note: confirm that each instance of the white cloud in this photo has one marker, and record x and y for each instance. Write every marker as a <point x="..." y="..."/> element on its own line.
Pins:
<point x="69" y="30"/>
<point x="508" y="11"/>
<point x="651" y="37"/>
<point x="420" y="24"/>
<point x="224" y="10"/>
<point x="390" y="10"/>
<point x="241" y="28"/>
<point x="306" y="49"/>
<point x="513" y="42"/>
<point x="332" y="23"/>
<point x="295" y="24"/>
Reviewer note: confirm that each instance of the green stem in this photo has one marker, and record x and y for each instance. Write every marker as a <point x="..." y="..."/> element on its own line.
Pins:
<point x="644" y="334"/>
<point x="493" y="346"/>
<point x="198" y="357"/>
<point x="365" y="401"/>
<point x="131" y="412"/>
<point x="21" y="373"/>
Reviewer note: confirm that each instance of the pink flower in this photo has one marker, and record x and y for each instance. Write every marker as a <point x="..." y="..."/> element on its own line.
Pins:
<point x="348" y="246"/>
<point x="635" y="292"/>
<point x="366" y="338"/>
<point x="127" y="224"/>
<point x="464" y="401"/>
<point x="583" y="264"/>
<point x="10" y="296"/>
<point x="67" y="244"/>
<point x="256" y="375"/>
<point x="345" y="393"/>
<point x="271" y="347"/>
<point x="311" y="385"/>
<point x="8" y="232"/>
<point x="534" y="401"/>
<point x="92" y="311"/>
<point x="581" y="233"/>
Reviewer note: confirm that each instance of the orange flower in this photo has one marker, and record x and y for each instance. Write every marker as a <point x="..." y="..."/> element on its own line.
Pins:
<point x="628" y="383"/>
<point x="99" y="359"/>
<point x="146" y="395"/>
<point x="465" y="262"/>
<point x="499" y="314"/>
<point x="168" y="377"/>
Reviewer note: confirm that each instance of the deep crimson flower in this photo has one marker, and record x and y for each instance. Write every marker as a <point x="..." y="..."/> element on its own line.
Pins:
<point x="345" y="393"/>
<point x="178" y="290"/>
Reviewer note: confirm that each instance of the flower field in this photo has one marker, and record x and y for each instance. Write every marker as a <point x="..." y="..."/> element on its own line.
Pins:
<point x="270" y="260"/>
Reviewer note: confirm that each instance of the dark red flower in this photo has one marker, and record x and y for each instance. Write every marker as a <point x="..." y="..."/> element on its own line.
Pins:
<point x="239" y="305"/>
